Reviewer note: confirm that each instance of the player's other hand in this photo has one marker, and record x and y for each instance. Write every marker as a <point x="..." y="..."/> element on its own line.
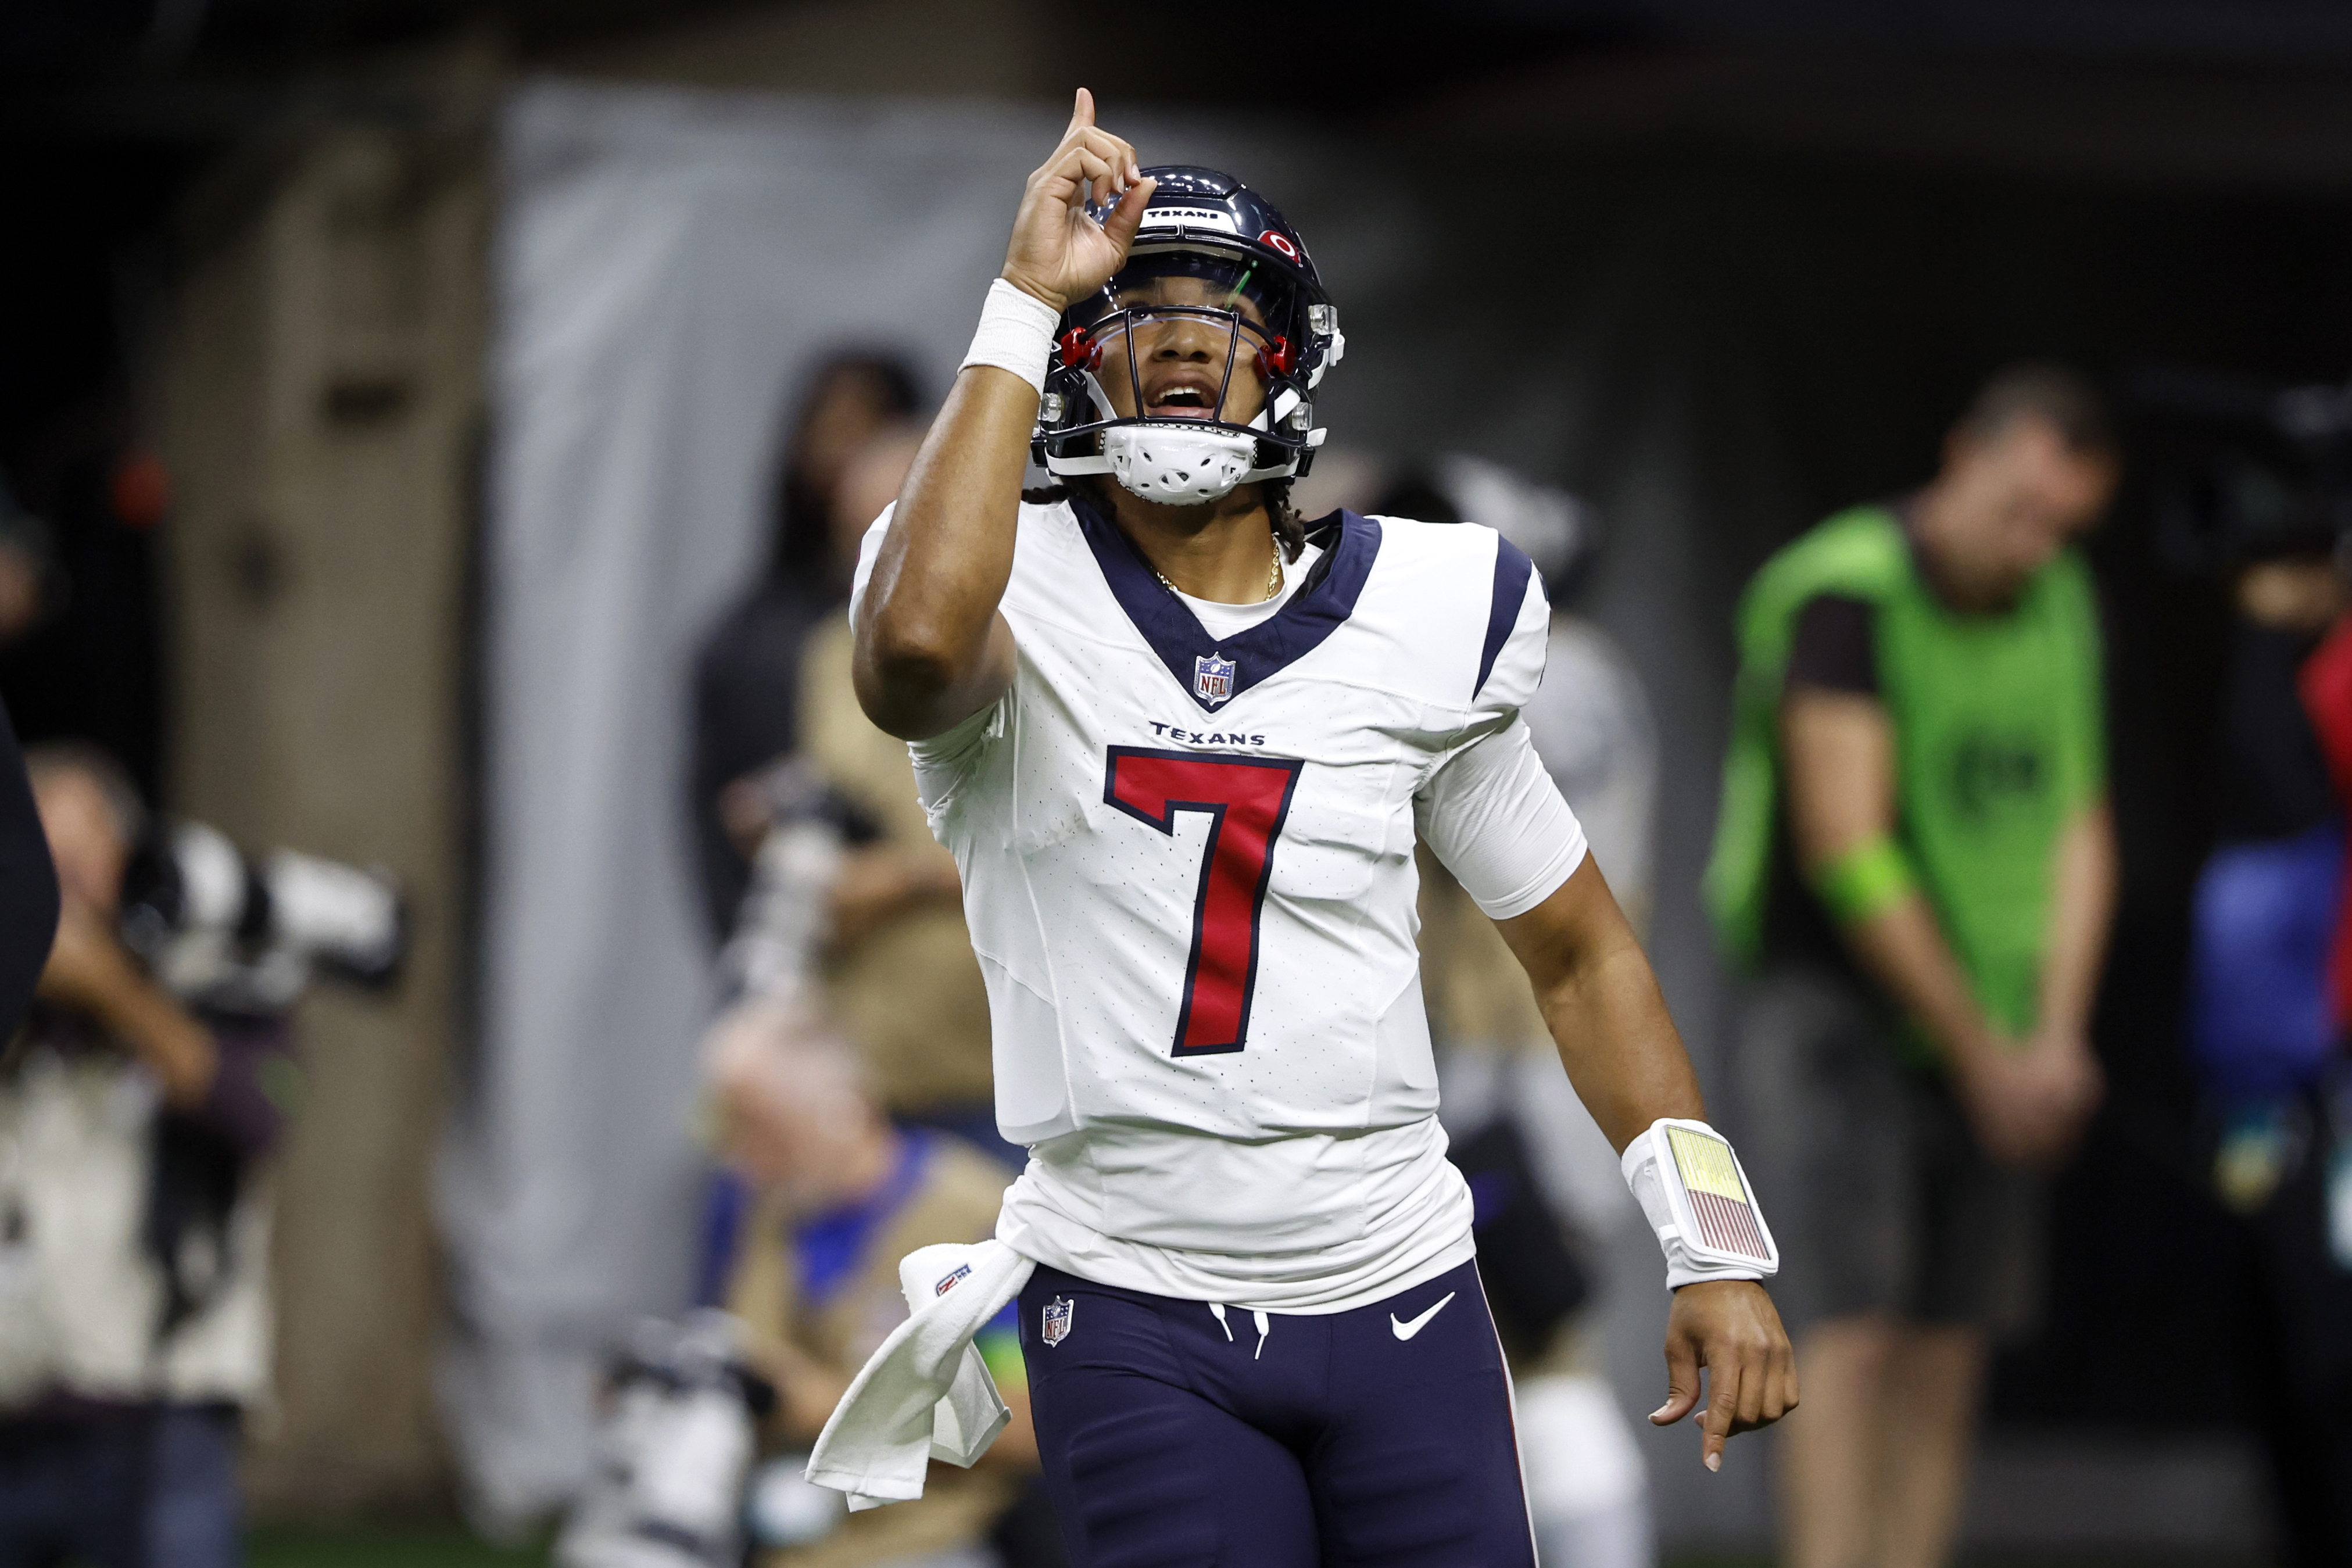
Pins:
<point x="1730" y="1328"/>
<point x="1058" y="253"/>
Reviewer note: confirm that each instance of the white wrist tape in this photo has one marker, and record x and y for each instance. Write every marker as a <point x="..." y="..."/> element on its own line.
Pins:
<point x="1696" y="1196"/>
<point x="1015" y="333"/>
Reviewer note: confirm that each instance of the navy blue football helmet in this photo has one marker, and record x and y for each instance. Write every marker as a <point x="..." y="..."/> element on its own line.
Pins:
<point x="1207" y="226"/>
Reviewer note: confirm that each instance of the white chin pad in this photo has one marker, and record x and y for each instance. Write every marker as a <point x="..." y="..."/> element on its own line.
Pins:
<point x="1176" y="466"/>
<point x="1696" y="1198"/>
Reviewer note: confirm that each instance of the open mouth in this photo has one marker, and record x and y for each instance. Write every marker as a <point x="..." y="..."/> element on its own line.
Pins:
<point x="1184" y="398"/>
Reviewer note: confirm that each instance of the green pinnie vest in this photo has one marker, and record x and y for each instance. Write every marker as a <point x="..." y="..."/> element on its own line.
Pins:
<point x="1999" y="738"/>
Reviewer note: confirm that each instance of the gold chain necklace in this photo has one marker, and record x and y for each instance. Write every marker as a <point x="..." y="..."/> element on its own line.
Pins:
<point x="1273" y="575"/>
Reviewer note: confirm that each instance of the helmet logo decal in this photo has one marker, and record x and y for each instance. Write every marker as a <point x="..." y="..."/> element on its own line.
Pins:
<point x="1156" y="216"/>
<point x="1280" y="242"/>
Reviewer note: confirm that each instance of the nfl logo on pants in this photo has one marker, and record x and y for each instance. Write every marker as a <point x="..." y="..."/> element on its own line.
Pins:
<point x="1213" y="678"/>
<point x="1057" y="1327"/>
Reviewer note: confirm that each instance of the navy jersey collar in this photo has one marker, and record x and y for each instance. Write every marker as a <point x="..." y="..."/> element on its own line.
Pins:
<point x="1320" y="606"/>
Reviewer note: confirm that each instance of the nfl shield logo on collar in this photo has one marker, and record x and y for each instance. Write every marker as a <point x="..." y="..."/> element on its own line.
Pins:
<point x="1057" y="1327"/>
<point x="1213" y="678"/>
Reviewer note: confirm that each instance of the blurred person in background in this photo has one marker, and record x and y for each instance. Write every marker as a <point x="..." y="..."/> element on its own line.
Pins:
<point x="1916" y="851"/>
<point x="31" y="582"/>
<point x="822" y="1195"/>
<point x="2266" y="1033"/>
<point x="1545" y="1182"/>
<point x="81" y="529"/>
<point x="898" y="974"/>
<point x="748" y="676"/>
<point x="134" y="1312"/>
<point x="28" y="884"/>
<point x="853" y="1010"/>
<point x="901" y="977"/>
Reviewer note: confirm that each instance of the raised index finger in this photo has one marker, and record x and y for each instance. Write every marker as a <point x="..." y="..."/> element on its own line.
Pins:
<point x="1082" y="115"/>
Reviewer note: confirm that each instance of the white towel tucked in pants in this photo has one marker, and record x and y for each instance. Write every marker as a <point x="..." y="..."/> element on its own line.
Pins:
<point x="925" y="1392"/>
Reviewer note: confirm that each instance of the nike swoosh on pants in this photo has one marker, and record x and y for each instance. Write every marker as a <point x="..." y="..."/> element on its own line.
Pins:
<point x="1405" y="1331"/>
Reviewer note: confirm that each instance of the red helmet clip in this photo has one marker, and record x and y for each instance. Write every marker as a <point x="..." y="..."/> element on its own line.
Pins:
<point x="1080" y="352"/>
<point x="1277" y="358"/>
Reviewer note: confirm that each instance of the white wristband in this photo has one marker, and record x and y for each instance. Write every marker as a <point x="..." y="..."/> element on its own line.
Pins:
<point x="1696" y="1198"/>
<point x="1015" y="333"/>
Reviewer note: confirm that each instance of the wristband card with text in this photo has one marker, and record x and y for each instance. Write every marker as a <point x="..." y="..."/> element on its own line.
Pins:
<point x="1722" y="1216"/>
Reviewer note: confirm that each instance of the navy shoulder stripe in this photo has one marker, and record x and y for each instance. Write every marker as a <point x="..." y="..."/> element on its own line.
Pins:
<point x="1512" y="570"/>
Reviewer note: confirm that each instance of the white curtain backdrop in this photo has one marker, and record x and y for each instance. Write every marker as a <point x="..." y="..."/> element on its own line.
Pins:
<point x="666" y="264"/>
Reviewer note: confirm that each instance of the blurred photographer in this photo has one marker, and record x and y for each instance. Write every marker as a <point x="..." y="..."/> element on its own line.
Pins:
<point x="134" y="1315"/>
<point x="817" y="1197"/>
<point x="28" y="884"/>
<point x="748" y="674"/>
<point x="839" y="994"/>
<point x="823" y="1195"/>
<point x="2249" y="492"/>
<point x="899" y="972"/>
<point x="2266" y="1043"/>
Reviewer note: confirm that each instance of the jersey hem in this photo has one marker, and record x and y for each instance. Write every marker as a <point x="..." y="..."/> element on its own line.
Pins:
<point x="1453" y="1256"/>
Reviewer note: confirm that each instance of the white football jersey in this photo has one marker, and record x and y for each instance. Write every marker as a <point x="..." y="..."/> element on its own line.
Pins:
<point x="1188" y="869"/>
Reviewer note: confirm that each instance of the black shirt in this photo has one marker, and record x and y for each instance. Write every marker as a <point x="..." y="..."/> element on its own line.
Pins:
<point x="29" y="886"/>
<point x="746" y="713"/>
<point x="2274" y="778"/>
<point x="1833" y="648"/>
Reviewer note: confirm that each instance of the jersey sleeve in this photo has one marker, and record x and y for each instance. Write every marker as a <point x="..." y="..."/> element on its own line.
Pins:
<point x="1835" y="647"/>
<point x="1496" y="819"/>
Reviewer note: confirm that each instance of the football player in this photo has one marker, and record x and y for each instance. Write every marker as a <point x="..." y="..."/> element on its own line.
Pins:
<point x="1183" y="744"/>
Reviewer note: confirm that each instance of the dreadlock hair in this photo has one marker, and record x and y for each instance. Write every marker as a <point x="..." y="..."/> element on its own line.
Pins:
<point x="1289" y="528"/>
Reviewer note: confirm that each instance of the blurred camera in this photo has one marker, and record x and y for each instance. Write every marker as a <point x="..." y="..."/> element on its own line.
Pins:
<point x="2244" y="471"/>
<point x="672" y="1452"/>
<point x="225" y="933"/>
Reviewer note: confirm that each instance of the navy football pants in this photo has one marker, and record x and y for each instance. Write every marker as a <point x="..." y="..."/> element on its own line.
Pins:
<point x="1374" y="1439"/>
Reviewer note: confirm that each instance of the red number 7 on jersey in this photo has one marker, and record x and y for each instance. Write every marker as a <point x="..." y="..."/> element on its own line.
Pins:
<point x="1247" y="799"/>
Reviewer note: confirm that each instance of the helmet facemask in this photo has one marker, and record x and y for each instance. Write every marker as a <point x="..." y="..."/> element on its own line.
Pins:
<point x="1244" y="305"/>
